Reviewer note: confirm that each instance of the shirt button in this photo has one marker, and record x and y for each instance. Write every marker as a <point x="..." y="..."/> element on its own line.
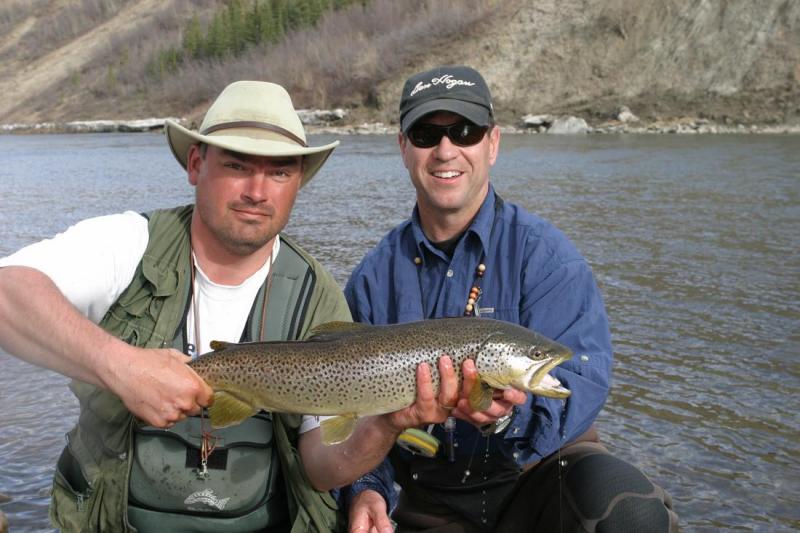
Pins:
<point x="450" y="273"/>
<point x="584" y="358"/>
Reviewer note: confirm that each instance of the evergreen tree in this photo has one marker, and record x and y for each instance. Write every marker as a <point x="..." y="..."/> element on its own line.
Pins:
<point x="253" y="25"/>
<point x="295" y="14"/>
<point x="267" y="23"/>
<point x="235" y="32"/>
<point x="315" y="10"/>
<point x="281" y="14"/>
<point x="215" y="45"/>
<point x="193" y="39"/>
<point x="238" y="25"/>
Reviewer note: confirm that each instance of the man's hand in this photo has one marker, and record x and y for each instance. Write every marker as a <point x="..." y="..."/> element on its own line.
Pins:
<point x="503" y="401"/>
<point x="429" y="408"/>
<point x="432" y="409"/>
<point x="368" y="514"/>
<point x="157" y="386"/>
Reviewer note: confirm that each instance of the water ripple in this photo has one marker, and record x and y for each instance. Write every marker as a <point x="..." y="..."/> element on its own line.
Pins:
<point x="693" y="241"/>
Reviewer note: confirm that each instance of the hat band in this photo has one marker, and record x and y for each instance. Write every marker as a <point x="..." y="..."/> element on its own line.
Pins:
<point x="255" y="124"/>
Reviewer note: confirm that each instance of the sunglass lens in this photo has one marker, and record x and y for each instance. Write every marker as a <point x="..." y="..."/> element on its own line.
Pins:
<point x="465" y="134"/>
<point x="461" y="134"/>
<point x="425" y="135"/>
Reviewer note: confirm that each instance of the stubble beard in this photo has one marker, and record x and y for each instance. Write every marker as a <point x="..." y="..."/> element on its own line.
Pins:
<point x="241" y="238"/>
<point x="241" y="245"/>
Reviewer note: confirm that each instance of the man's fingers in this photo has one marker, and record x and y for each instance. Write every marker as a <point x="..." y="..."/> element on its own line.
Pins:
<point x="515" y="397"/>
<point x="424" y="383"/>
<point x="470" y="377"/>
<point x="448" y="390"/>
<point x="178" y="355"/>
<point x="204" y="395"/>
<point x="368" y="513"/>
<point x="360" y="523"/>
<point x="502" y="404"/>
<point x="381" y="523"/>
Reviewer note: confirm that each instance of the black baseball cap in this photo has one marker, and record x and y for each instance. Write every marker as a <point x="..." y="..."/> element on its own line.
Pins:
<point x="458" y="89"/>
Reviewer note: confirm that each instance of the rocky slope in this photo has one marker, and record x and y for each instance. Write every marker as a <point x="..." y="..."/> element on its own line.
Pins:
<point x="729" y="62"/>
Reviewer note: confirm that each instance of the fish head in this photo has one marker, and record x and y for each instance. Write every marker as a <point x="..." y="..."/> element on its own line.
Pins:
<point x="524" y="361"/>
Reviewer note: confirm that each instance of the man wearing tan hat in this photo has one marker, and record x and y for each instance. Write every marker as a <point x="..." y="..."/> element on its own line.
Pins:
<point x="125" y="298"/>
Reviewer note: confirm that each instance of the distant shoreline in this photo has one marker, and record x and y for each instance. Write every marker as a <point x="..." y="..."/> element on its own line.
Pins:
<point x="575" y="126"/>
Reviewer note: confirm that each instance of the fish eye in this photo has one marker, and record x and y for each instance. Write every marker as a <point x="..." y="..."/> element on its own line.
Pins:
<point x="535" y="353"/>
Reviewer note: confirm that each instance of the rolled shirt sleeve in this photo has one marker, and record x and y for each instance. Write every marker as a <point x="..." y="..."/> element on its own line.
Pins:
<point x="92" y="262"/>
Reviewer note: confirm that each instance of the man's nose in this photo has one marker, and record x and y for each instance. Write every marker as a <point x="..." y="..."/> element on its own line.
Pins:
<point x="445" y="150"/>
<point x="256" y="188"/>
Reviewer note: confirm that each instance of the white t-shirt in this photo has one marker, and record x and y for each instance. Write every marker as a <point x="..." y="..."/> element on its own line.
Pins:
<point x="93" y="262"/>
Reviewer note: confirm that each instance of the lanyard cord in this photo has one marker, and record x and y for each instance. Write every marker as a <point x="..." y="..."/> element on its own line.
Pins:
<point x="195" y="305"/>
<point x="195" y="310"/>
<point x="498" y="204"/>
<point x="209" y="440"/>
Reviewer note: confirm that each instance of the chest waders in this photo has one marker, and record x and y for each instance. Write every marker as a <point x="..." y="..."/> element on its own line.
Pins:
<point x="94" y="489"/>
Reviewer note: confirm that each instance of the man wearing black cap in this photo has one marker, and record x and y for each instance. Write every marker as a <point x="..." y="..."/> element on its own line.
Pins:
<point x="526" y="463"/>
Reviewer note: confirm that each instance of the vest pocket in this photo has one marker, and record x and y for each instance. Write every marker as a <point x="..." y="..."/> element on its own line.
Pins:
<point x="241" y="489"/>
<point x="73" y="498"/>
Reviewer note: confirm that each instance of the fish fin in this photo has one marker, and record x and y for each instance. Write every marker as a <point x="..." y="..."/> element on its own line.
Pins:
<point x="337" y="429"/>
<point x="331" y="329"/>
<point x="220" y="345"/>
<point x="228" y="410"/>
<point x="480" y="397"/>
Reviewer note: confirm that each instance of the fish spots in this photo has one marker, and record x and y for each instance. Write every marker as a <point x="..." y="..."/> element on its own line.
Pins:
<point x="371" y="370"/>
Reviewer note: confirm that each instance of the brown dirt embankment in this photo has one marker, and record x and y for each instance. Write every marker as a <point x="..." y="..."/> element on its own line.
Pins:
<point x="730" y="63"/>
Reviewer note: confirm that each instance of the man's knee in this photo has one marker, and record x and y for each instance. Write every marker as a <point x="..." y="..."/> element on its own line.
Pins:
<point x="611" y="495"/>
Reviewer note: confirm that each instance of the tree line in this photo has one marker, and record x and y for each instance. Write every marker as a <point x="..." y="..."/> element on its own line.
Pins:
<point x="234" y="27"/>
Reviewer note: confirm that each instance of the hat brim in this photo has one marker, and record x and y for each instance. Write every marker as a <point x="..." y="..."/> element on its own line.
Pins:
<point x="251" y="142"/>
<point x="475" y="113"/>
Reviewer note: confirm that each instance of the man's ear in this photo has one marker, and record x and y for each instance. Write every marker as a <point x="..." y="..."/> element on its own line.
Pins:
<point x="402" y="140"/>
<point x="194" y="162"/>
<point x="494" y="144"/>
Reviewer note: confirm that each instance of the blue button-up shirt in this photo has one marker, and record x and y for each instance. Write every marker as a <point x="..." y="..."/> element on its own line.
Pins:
<point x="534" y="277"/>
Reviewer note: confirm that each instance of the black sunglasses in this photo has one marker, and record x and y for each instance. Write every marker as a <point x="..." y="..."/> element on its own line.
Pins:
<point x="462" y="133"/>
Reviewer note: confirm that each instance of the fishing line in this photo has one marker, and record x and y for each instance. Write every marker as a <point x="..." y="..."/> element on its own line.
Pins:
<point x="560" y="493"/>
<point x="471" y="457"/>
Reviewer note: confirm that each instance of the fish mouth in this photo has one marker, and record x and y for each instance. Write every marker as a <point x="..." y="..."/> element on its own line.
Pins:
<point x="541" y="383"/>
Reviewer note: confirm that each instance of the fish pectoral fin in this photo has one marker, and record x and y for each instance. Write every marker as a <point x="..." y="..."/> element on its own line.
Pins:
<point x="228" y="410"/>
<point x="337" y="429"/>
<point x="332" y="329"/>
<point x="220" y="345"/>
<point x="480" y="397"/>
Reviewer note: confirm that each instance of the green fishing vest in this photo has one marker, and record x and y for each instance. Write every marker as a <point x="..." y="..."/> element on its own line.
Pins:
<point x="91" y="482"/>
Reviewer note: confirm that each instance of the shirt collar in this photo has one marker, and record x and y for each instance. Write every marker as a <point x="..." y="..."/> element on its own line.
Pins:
<point x="481" y="226"/>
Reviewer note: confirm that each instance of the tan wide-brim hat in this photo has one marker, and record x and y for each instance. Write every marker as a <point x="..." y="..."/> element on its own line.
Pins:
<point x="255" y="118"/>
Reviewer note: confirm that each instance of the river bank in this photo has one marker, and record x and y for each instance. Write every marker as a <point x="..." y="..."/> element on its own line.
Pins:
<point x="335" y="122"/>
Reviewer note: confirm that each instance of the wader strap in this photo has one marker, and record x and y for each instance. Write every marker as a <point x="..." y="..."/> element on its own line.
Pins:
<point x="293" y="282"/>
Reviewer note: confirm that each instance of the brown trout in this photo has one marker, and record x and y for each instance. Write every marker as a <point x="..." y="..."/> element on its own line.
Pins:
<point x="353" y="370"/>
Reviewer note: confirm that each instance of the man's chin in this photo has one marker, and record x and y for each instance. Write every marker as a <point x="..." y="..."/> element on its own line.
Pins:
<point x="244" y="245"/>
<point x="247" y="247"/>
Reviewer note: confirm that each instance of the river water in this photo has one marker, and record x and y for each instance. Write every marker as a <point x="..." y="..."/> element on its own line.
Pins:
<point x="694" y="241"/>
